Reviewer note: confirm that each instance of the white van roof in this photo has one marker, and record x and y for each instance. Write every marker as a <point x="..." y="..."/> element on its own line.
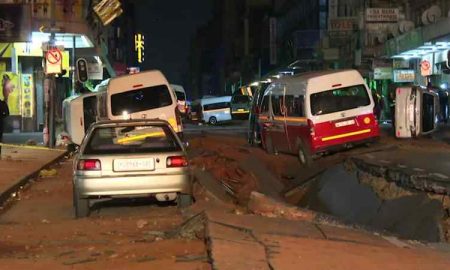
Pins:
<point x="146" y="78"/>
<point x="205" y="101"/>
<point x="321" y="80"/>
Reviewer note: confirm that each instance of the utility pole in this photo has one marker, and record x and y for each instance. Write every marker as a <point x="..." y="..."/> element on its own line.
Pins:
<point x="52" y="82"/>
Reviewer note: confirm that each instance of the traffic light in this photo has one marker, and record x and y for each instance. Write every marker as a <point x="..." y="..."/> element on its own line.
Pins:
<point x="82" y="70"/>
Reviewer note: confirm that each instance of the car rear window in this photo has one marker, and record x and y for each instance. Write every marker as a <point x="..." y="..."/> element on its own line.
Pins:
<point x="142" y="99"/>
<point x="340" y="99"/>
<point x="131" y="139"/>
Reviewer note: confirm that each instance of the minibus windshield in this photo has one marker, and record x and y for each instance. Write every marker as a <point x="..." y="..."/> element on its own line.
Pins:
<point x="428" y="112"/>
<point x="340" y="99"/>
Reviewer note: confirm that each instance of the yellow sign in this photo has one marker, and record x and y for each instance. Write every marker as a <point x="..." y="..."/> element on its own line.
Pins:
<point x="27" y="95"/>
<point x="5" y="50"/>
<point x="10" y="88"/>
<point x="139" y="47"/>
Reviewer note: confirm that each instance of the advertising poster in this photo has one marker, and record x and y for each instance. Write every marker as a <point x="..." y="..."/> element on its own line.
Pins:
<point x="10" y="88"/>
<point x="27" y="95"/>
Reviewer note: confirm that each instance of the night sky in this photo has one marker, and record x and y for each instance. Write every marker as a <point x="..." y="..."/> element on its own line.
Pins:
<point x="168" y="26"/>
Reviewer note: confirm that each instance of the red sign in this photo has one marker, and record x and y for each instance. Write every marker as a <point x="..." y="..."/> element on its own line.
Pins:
<point x="53" y="56"/>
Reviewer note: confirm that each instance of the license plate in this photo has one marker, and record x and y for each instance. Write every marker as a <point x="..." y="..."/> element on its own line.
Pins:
<point x="137" y="164"/>
<point x="240" y="110"/>
<point x="345" y="123"/>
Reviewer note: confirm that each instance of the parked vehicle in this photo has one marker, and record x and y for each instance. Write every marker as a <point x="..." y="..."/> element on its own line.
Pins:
<point x="79" y="112"/>
<point x="254" y="132"/>
<point x="240" y="105"/>
<point x="144" y="95"/>
<point x="212" y="110"/>
<point x="181" y="98"/>
<point x="314" y="113"/>
<point x="416" y="111"/>
<point x="131" y="158"/>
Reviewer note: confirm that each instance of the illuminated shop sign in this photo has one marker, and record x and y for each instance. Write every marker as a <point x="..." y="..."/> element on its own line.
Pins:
<point x="404" y="75"/>
<point x="139" y="47"/>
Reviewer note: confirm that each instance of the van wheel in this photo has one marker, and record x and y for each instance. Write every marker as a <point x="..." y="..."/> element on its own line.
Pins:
<point x="212" y="120"/>
<point x="81" y="206"/>
<point x="304" y="155"/>
<point x="184" y="200"/>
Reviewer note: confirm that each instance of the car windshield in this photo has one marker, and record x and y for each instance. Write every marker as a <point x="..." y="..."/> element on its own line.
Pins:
<point x="142" y="99"/>
<point x="340" y="99"/>
<point x="131" y="139"/>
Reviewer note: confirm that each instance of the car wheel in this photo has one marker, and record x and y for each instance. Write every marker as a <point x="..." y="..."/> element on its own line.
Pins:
<point x="184" y="200"/>
<point x="304" y="155"/>
<point x="81" y="206"/>
<point x="213" y="120"/>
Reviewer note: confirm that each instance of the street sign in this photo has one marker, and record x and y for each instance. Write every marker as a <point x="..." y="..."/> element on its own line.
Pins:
<point x="46" y="46"/>
<point x="82" y="70"/>
<point x="425" y="68"/>
<point x="53" y="61"/>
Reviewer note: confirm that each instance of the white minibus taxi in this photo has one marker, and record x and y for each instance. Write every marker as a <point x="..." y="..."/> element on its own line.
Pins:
<point x="313" y="113"/>
<point x="416" y="111"/>
<point x="79" y="112"/>
<point x="214" y="110"/>
<point x="143" y="95"/>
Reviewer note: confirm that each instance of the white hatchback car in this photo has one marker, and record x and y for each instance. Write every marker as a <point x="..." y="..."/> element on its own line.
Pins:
<point x="131" y="159"/>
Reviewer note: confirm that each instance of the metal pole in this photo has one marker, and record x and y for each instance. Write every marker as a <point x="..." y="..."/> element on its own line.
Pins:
<point x="73" y="64"/>
<point x="52" y="89"/>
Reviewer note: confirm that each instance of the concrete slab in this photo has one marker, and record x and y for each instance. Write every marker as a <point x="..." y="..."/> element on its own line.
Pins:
<point x="19" y="163"/>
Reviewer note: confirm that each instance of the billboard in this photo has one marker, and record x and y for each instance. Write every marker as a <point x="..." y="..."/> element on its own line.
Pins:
<point x="10" y="87"/>
<point x="15" y="22"/>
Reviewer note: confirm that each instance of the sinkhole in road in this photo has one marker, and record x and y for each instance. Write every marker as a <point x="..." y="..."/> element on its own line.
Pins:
<point x="351" y="197"/>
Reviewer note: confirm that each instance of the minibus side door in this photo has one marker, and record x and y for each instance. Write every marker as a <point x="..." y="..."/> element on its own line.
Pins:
<point x="278" y="129"/>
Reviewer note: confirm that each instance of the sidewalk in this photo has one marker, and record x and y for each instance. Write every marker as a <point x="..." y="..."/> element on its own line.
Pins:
<point x="255" y="242"/>
<point x="19" y="163"/>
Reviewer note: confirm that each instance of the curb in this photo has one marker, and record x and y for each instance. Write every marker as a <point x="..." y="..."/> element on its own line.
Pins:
<point x="5" y="195"/>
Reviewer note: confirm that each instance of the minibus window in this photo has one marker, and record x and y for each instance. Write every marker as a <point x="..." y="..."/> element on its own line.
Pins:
<point x="216" y="106"/>
<point x="265" y="104"/>
<point x="142" y="99"/>
<point x="180" y="96"/>
<point x="277" y="105"/>
<point x="337" y="100"/>
<point x="294" y="105"/>
<point x="427" y="112"/>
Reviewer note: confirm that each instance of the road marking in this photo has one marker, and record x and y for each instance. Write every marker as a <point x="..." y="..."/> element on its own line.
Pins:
<point x="418" y="170"/>
<point x="370" y="156"/>
<point x="402" y="166"/>
<point x="440" y="175"/>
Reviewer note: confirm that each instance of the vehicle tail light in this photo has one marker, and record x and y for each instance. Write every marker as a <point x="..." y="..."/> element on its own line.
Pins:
<point x="89" y="165"/>
<point x="176" y="161"/>
<point x="311" y="127"/>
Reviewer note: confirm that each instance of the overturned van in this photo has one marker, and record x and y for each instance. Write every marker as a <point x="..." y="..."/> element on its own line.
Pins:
<point x="416" y="111"/>
<point x="314" y="113"/>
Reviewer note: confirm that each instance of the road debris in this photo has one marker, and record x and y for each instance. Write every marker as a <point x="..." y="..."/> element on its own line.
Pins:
<point x="48" y="173"/>
<point x="265" y="206"/>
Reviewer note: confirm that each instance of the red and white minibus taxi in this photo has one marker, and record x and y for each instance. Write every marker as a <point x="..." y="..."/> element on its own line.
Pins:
<point x="313" y="113"/>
